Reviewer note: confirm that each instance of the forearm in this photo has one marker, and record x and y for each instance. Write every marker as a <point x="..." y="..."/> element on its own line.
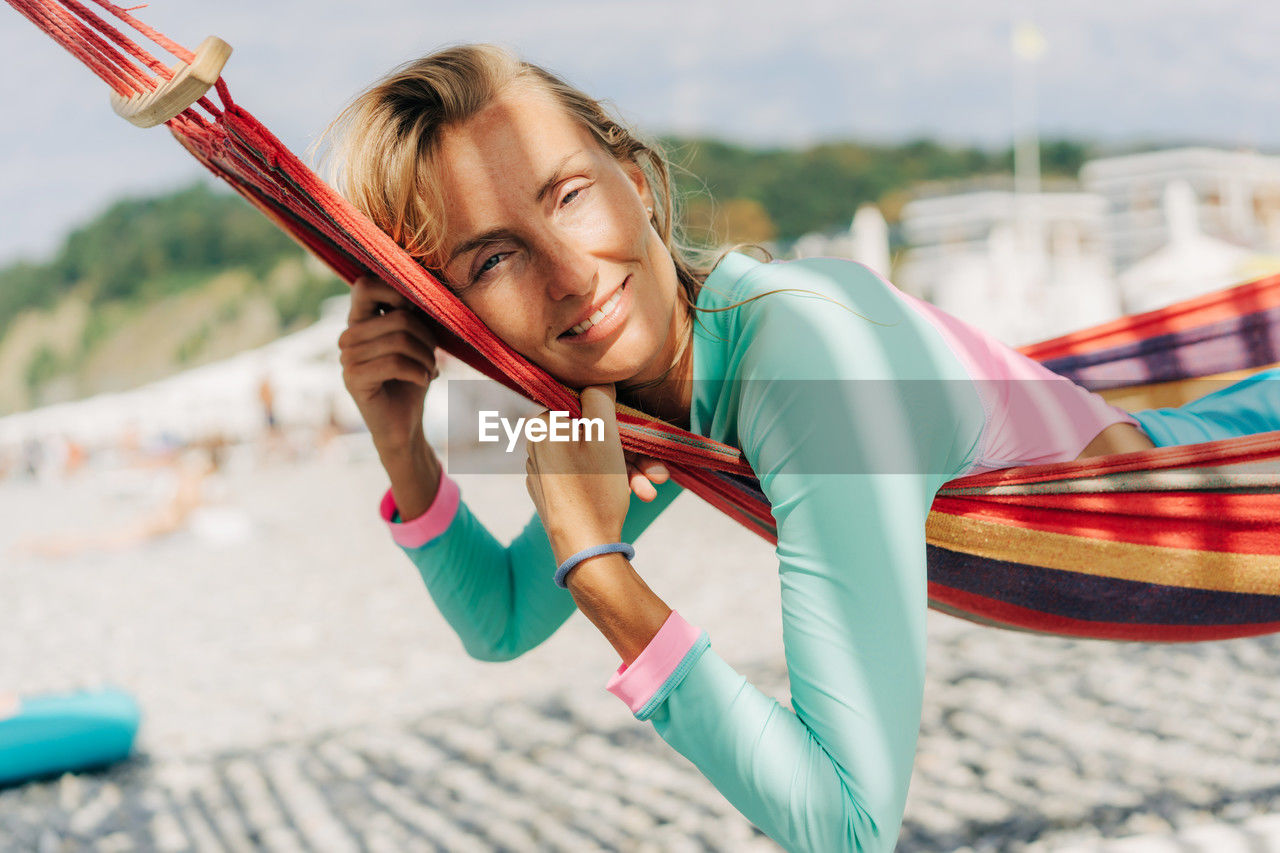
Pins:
<point x="414" y="471"/>
<point x="833" y="774"/>
<point x="498" y="598"/>
<point x="618" y="602"/>
<point x="501" y="599"/>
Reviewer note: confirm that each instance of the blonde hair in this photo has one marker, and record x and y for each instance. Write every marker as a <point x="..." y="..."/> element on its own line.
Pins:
<point x="383" y="147"/>
<point x="381" y="152"/>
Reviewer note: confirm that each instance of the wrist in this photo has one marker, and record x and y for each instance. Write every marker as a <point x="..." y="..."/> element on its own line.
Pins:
<point x="573" y="561"/>
<point x="415" y="479"/>
<point x="413" y="455"/>
<point x="612" y="595"/>
<point x="413" y="445"/>
<point x="604" y="576"/>
<point x="564" y="547"/>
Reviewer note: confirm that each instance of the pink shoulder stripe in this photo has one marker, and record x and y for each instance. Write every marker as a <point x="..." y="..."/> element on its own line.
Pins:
<point x="1033" y="414"/>
<point x="636" y="684"/>
<point x="429" y="525"/>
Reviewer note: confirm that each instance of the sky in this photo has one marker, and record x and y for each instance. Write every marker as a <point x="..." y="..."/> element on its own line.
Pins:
<point x="763" y="73"/>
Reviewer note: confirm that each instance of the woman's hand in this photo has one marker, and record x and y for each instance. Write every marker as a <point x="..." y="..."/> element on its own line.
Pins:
<point x="582" y="488"/>
<point x="388" y="360"/>
<point x="643" y="472"/>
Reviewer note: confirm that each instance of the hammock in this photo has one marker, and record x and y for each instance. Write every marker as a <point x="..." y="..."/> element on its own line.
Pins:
<point x="1172" y="544"/>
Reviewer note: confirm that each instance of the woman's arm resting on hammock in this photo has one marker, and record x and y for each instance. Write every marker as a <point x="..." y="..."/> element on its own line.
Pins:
<point x="501" y="600"/>
<point x="850" y="478"/>
<point x="830" y="773"/>
<point x="833" y="774"/>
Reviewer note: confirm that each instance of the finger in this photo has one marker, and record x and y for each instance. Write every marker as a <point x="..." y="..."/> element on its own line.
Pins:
<point x="396" y="361"/>
<point x="369" y="292"/>
<point x="394" y="343"/>
<point x="370" y="287"/>
<point x="359" y="347"/>
<point x="600" y="401"/>
<point x="407" y="322"/>
<point x="373" y="374"/>
<point x="640" y="484"/>
<point x="655" y="469"/>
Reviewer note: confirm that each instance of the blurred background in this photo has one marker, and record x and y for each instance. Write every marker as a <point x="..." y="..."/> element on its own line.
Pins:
<point x="190" y="502"/>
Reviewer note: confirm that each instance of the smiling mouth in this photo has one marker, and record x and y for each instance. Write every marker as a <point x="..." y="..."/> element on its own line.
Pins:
<point x="601" y="313"/>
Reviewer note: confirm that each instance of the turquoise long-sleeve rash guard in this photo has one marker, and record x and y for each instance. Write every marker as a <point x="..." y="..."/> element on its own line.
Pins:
<point x="853" y="408"/>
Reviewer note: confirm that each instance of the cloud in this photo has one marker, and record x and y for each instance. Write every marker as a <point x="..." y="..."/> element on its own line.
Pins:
<point x="752" y="70"/>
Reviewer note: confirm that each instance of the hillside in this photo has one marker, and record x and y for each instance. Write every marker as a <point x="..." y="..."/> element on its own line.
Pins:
<point x="741" y="194"/>
<point x="149" y="287"/>
<point x="159" y="284"/>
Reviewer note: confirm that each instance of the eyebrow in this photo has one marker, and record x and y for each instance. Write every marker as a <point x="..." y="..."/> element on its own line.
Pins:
<point x="549" y="184"/>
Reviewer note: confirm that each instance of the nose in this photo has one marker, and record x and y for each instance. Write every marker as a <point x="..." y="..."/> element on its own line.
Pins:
<point x="570" y="269"/>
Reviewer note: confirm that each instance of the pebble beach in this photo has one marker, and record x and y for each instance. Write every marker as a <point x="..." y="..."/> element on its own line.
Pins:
<point x="301" y="692"/>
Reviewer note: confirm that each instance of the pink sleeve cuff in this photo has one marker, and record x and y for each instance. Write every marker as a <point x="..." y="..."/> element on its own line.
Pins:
<point x="429" y="525"/>
<point x="660" y="668"/>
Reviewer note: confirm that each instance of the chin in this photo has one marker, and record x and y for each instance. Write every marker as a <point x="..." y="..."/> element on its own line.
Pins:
<point x="642" y="354"/>
<point x="609" y="370"/>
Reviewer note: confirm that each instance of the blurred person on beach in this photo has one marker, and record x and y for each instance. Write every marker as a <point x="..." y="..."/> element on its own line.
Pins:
<point x="190" y="470"/>
<point x="267" y="398"/>
<point x="556" y="226"/>
<point x="274" y="440"/>
<point x="76" y="458"/>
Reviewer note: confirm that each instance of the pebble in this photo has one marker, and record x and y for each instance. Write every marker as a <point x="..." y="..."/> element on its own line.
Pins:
<point x="301" y="692"/>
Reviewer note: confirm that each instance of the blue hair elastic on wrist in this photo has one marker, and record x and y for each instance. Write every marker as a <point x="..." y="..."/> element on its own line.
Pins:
<point x="594" y="551"/>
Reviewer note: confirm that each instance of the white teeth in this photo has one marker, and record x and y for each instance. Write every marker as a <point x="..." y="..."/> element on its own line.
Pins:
<point x="603" y="312"/>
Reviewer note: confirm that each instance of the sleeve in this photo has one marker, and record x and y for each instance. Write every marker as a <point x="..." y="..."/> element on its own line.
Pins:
<point x="850" y="457"/>
<point x="501" y="600"/>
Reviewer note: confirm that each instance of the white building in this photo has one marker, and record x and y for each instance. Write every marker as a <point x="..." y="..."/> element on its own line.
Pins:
<point x="866" y="241"/>
<point x="1023" y="267"/>
<point x="1188" y="264"/>
<point x="1237" y="198"/>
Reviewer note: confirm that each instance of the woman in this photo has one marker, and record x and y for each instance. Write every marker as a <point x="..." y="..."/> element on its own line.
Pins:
<point x="853" y="403"/>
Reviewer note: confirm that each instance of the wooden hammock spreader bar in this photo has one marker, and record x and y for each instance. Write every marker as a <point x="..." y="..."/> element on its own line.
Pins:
<point x="188" y="84"/>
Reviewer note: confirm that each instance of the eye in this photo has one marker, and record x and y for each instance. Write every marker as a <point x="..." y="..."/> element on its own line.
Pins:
<point x="570" y="196"/>
<point x="489" y="263"/>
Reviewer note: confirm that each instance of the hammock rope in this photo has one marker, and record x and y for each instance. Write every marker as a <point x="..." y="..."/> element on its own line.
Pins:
<point x="1173" y="544"/>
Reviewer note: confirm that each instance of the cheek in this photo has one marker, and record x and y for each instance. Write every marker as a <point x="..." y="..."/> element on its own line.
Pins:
<point x="606" y="223"/>
<point x="508" y="318"/>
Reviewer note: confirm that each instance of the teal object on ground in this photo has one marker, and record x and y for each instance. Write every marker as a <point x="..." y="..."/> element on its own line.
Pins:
<point x="66" y="732"/>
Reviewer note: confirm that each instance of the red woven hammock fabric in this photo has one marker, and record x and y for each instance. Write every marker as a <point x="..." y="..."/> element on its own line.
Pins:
<point x="236" y="147"/>
<point x="1101" y="548"/>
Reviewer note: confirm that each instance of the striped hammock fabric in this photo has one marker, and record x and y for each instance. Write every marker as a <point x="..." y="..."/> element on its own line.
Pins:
<point x="1173" y="544"/>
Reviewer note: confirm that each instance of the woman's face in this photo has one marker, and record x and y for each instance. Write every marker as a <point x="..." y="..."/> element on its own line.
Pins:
<point x="544" y="230"/>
